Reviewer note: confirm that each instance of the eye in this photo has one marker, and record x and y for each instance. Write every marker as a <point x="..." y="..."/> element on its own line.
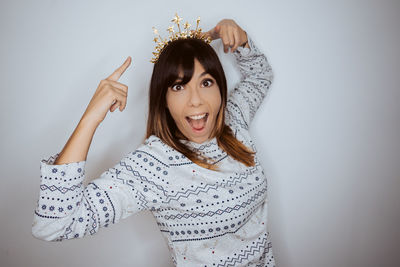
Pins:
<point x="208" y="82"/>
<point x="176" y="87"/>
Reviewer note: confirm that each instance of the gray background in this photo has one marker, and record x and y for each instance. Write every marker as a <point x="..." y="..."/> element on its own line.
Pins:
<point x="327" y="133"/>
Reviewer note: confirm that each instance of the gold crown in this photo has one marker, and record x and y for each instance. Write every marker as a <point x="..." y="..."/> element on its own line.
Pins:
<point x="187" y="33"/>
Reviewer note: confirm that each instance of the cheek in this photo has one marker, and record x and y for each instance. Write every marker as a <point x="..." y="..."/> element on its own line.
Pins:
<point x="170" y="102"/>
<point x="168" y="99"/>
<point x="216" y="100"/>
<point x="174" y="106"/>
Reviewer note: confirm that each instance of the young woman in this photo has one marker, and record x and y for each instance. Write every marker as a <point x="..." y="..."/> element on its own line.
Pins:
<point x="197" y="170"/>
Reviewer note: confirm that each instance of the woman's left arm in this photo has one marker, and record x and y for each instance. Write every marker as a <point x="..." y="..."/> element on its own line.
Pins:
<point x="256" y="78"/>
<point x="245" y="99"/>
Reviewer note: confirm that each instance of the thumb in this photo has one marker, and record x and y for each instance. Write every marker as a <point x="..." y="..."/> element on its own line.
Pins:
<point x="214" y="32"/>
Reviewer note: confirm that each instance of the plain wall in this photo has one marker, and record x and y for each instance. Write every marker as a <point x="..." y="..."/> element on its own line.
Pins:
<point x="327" y="134"/>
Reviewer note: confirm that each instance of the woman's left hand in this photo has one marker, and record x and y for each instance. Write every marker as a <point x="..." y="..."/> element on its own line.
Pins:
<point x="231" y="34"/>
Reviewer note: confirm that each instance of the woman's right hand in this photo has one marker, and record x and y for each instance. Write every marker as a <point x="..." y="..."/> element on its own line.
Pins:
<point x="109" y="95"/>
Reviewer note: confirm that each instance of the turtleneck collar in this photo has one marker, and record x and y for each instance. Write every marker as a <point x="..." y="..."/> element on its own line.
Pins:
<point x="208" y="143"/>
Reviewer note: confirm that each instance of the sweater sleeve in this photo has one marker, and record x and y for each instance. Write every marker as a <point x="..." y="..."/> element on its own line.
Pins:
<point x="256" y="78"/>
<point x="66" y="209"/>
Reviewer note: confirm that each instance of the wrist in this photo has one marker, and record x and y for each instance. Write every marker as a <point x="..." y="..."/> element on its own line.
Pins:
<point x="246" y="43"/>
<point x="88" y="122"/>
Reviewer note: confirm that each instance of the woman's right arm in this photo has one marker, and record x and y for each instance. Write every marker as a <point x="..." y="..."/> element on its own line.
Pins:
<point x="109" y="95"/>
<point x="77" y="146"/>
<point x="65" y="209"/>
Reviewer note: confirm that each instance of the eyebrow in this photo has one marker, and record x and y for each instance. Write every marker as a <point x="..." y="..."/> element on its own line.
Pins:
<point x="201" y="75"/>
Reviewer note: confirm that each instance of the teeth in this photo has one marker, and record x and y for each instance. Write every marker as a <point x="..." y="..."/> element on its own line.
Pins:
<point x="198" y="117"/>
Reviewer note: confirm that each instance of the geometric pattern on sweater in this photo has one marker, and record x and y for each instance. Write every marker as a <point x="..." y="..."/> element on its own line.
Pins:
<point x="237" y="116"/>
<point x="207" y="187"/>
<point x="227" y="230"/>
<point x="262" y="245"/>
<point x="219" y="211"/>
<point x="61" y="188"/>
<point x="135" y="173"/>
<point x="198" y="211"/>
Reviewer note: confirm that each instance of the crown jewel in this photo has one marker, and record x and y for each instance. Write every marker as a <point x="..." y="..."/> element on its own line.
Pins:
<point x="185" y="34"/>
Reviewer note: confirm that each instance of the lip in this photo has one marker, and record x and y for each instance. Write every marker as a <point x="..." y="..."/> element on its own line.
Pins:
<point x="201" y="113"/>
<point x="195" y="130"/>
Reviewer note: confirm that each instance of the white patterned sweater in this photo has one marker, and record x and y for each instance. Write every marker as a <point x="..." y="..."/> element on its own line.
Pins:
<point x="208" y="218"/>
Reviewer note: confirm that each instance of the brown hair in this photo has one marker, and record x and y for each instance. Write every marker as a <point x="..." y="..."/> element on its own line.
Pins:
<point x="180" y="55"/>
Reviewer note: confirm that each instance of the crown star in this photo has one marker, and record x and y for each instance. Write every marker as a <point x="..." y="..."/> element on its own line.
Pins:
<point x="155" y="30"/>
<point x="170" y="29"/>
<point x="197" y="21"/>
<point x="188" y="33"/>
<point x="176" y="19"/>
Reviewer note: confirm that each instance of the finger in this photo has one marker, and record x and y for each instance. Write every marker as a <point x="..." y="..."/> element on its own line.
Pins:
<point x="119" y="104"/>
<point x="119" y="101"/>
<point x="237" y="40"/>
<point x="231" y="38"/>
<point x="123" y="106"/>
<point x="123" y="101"/>
<point x="118" y="85"/>
<point x="217" y="30"/>
<point x="207" y="34"/>
<point x="118" y="72"/>
<point x="225" y="40"/>
<point x="114" y="106"/>
<point x="121" y="92"/>
<point x="214" y="32"/>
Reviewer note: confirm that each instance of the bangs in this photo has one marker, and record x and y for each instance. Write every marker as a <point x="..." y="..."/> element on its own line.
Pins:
<point x="181" y="57"/>
<point x="183" y="63"/>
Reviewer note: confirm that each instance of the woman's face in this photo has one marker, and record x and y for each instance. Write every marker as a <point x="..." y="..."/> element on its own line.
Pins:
<point x="195" y="105"/>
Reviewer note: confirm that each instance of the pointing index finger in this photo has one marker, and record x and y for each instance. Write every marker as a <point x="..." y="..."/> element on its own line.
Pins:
<point x="118" y="72"/>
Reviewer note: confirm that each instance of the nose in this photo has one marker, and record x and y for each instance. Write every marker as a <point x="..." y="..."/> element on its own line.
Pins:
<point x="195" y="97"/>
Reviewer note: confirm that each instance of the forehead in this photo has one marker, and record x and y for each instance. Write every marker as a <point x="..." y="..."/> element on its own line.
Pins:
<point x="198" y="71"/>
<point x="197" y="66"/>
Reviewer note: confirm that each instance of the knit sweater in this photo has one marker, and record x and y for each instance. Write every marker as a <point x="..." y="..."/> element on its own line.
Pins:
<point x="208" y="218"/>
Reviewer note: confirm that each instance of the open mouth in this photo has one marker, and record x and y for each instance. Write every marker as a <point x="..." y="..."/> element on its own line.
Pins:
<point x="198" y="123"/>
